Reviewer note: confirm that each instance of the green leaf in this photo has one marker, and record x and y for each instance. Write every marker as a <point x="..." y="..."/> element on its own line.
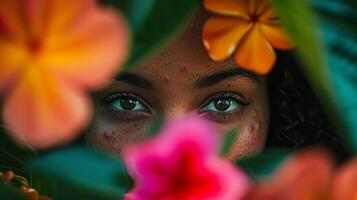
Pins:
<point x="263" y="164"/>
<point x="8" y="192"/>
<point x="338" y="23"/>
<point x="300" y="22"/>
<point x="327" y="48"/>
<point x="11" y="153"/>
<point x="229" y="140"/>
<point x="136" y="11"/>
<point x="153" y="23"/>
<point x="82" y="173"/>
<point x="13" y="157"/>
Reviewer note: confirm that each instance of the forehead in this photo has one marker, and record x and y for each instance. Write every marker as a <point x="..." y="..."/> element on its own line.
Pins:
<point x="183" y="60"/>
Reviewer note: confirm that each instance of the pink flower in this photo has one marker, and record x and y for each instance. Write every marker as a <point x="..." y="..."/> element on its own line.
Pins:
<point x="182" y="163"/>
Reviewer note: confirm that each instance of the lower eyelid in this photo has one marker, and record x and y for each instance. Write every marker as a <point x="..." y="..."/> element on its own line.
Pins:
<point x="108" y="113"/>
<point x="225" y="117"/>
<point x="124" y="115"/>
<point x="240" y="99"/>
<point x="106" y="100"/>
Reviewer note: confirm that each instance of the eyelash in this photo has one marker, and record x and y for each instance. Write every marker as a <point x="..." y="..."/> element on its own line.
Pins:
<point x="225" y="115"/>
<point x="213" y="115"/>
<point x="124" y="115"/>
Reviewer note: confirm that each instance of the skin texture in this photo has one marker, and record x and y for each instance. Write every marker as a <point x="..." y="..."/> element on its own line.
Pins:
<point x="173" y="74"/>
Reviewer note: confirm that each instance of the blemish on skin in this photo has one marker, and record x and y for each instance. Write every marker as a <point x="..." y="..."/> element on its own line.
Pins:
<point x="254" y="127"/>
<point x="167" y="77"/>
<point x="115" y="145"/>
<point x="253" y="141"/>
<point x="108" y="135"/>
<point x="183" y="67"/>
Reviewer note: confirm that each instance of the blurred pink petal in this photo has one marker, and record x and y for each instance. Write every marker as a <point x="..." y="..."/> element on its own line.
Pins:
<point x="182" y="163"/>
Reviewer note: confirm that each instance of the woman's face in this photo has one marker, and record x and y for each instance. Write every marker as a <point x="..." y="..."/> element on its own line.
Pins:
<point x="182" y="80"/>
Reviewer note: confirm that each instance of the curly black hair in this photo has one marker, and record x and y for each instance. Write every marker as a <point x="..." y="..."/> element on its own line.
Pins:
<point x="297" y="119"/>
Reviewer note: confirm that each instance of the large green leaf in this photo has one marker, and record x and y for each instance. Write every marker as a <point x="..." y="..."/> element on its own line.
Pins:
<point x="338" y="23"/>
<point x="82" y="173"/>
<point x="299" y="21"/>
<point x="153" y="23"/>
<point x="327" y="48"/>
<point x="263" y="164"/>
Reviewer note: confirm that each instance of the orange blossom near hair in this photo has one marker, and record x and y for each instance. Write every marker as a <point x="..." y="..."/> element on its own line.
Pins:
<point x="247" y="27"/>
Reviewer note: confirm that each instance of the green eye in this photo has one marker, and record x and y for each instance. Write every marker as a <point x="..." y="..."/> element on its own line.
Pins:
<point x="127" y="104"/>
<point x="222" y="105"/>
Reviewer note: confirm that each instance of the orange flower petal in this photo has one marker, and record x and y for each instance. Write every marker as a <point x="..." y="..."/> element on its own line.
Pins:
<point x="43" y="111"/>
<point x="13" y="57"/>
<point x="11" y="24"/>
<point x="276" y="36"/>
<point x="254" y="52"/>
<point x="268" y="15"/>
<point x="304" y="176"/>
<point x="344" y="185"/>
<point x="228" y="7"/>
<point x="89" y="53"/>
<point x="45" y="17"/>
<point x="257" y="7"/>
<point x="222" y="34"/>
<point x="34" y="17"/>
<point x="75" y="10"/>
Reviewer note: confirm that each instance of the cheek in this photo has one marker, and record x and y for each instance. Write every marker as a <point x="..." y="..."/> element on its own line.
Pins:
<point x="250" y="140"/>
<point x="113" y="138"/>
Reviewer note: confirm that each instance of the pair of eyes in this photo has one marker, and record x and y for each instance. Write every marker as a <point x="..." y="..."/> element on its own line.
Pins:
<point x="218" y="106"/>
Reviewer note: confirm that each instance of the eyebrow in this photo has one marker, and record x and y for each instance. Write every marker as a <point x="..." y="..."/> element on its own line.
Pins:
<point x="135" y="80"/>
<point x="223" y="75"/>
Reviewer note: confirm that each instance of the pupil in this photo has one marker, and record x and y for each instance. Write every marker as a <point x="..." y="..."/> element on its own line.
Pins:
<point x="128" y="104"/>
<point x="222" y="104"/>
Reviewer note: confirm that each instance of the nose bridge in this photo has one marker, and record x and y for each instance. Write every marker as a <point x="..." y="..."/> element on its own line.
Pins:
<point x="175" y="97"/>
<point x="175" y="110"/>
<point x="176" y="107"/>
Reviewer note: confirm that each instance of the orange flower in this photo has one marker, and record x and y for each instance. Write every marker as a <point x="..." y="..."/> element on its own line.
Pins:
<point x="52" y="52"/>
<point x="309" y="176"/>
<point x="345" y="182"/>
<point x="248" y="27"/>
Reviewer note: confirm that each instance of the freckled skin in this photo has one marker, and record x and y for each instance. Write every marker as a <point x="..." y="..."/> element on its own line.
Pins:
<point x="125" y="134"/>
<point x="173" y="72"/>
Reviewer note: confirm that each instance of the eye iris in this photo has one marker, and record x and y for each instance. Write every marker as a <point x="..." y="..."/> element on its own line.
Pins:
<point x="128" y="104"/>
<point x="222" y="104"/>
